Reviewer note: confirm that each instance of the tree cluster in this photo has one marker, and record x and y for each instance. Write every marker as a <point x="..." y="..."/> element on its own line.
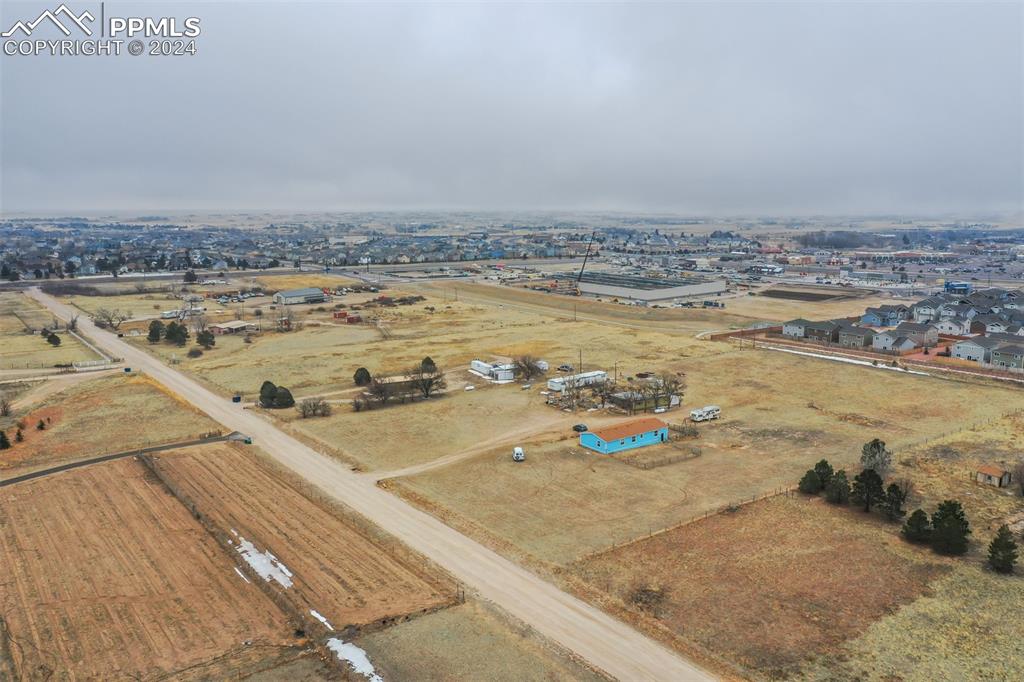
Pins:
<point x="947" y="530"/>
<point x="275" y="397"/>
<point x="172" y="332"/>
<point x="423" y="381"/>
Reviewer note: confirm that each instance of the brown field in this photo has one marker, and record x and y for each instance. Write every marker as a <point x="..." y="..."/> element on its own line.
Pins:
<point x="770" y="586"/>
<point x="468" y="642"/>
<point x="156" y="598"/>
<point x="781" y="413"/>
<point x="336" y="569"/>
<point x="19" y="348"/>
<point x="968" y="627"/>
<point x="102" y="415"/>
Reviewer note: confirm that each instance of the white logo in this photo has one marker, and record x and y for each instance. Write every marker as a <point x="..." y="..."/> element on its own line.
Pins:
<point x="27" y="28"/>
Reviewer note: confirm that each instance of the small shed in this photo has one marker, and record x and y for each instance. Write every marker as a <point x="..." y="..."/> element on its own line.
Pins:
<point x="992" y="475"/>
<point x="340" y="314"/>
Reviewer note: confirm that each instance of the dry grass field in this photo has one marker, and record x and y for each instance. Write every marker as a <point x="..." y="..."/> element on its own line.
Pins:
<point x="19" y="348"/>
<point x="102" y="415"/>
<point x="770" y="586"/>
<point x="781" y="414"/>
<point x="468" y="642"/>
<point x="968" y="627"/>
<point x="331" y="566"/>
<point x="155" y="599"/>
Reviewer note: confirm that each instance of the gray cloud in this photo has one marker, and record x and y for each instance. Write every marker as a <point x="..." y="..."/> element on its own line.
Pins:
<point x="697" y="108"/>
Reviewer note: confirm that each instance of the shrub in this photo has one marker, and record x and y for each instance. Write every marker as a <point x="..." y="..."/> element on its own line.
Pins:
<point x="810" y="484"/>
<point x="41" y="426"/>
<point x="314" y="407"/>
<point x="362" y="377"/>
<point x="194" y="353"/>
<point x="4" y="442"/>
<point x="19" y="436"/>
<point x="206" y="339"/>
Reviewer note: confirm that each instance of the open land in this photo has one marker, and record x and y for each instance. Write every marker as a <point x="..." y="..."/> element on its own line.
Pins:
<point x="469" y="642"/>
<point x="19" y="347"/>
<point x="781" y="414"/>
<point x="157" y="597"/>
<point x="360" y="584"/>
<point x="99" y="416"/>
<point x="775" y="583"/>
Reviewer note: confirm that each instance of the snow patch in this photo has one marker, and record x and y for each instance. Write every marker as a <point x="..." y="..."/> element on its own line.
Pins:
<point x="355" y="657"/>
<point x="316" y="614"/>
<point x="851" y="361"/>
<point x="265" y="564"/>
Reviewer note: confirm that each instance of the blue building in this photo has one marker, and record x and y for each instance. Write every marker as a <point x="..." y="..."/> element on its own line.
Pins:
<point x="625" y="436"/>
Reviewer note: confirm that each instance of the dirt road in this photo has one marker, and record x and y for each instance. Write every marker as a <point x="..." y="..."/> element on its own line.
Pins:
<point x="604" y="642"/>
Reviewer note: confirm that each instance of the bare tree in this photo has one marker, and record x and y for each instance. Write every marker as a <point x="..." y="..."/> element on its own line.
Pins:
<point x="1018" y="476"/>
<point x="107" y="317"/>
<point x="314" y="407"/>
<point x="140" y="287"/>
<point x="381" y="390"/>
<point x="72" y="324"/>
<point x="199" y="323"/>
<point x="427" y="379"/>
<point x="5" y="407"/>
<point x="527" y="367"/>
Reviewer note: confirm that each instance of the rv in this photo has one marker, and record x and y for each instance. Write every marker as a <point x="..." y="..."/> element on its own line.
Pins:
<point x="704" y="414"/>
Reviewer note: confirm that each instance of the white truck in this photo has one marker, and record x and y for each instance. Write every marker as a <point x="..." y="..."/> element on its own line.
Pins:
<point x="703" y="414"/>
<point x="518" y="455"/>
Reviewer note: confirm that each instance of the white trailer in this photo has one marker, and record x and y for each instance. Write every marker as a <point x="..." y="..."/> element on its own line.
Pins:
<point x="703" y="414"/>
<point x="558" y="384"/>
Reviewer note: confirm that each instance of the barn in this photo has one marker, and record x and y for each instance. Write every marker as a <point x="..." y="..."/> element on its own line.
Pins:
<point x="626" y="435"/>
<point x="294" y="296"/>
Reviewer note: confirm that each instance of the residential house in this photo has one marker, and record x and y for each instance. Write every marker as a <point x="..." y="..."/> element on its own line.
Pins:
<point x="953" y="326"/>
<point x="826" y="331"/>
<point x="853" y="336"/>
<point x="977" y="349"/>
<point x="1008" y="356"/>
<point x="625" y="436"/>
<point x="795" y="328"/>
<point x="884" y="315"/>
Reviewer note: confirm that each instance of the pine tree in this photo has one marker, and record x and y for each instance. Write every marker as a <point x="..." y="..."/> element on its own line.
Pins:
<point x="206" y="339"/>
<point x="1002" y="551"/>
<point x="918" y="528"/>
<point x="4" y="442"/>
<point x="824" y="471"/>
<point x="267" y="392"/>
<point x="810" y="484"/>
<point x="19" y="436"/>
<point x="867" y="489"/>
<point x="41" y="426"/>
<point x="362" y="377"/>
<point x="892" y="503"/>
<point x="156" y="331"/>
<point x="950" y="529"/>
<point x="838" y="490"/>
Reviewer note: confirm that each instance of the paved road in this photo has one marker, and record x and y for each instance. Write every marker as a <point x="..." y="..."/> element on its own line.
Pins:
<point x="606" y="643"/>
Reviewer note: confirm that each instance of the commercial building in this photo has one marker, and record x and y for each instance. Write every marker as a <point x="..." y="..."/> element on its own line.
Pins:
<point x="645" y="289"/>
<point x="306" y="295"/>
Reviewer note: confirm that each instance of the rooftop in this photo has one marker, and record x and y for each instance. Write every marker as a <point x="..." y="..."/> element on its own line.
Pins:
<point x="630" y="428"/>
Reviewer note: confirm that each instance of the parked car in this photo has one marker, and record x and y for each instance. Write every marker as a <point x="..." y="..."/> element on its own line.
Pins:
<point x="579" y="428"/>
<point x="565" y="368"/>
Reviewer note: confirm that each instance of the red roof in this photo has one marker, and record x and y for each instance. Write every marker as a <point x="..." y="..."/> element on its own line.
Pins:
<point x="989" y="470"/>
<point x="630" y="428"/>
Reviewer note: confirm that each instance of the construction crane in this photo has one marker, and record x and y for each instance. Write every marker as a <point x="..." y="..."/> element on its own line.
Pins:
<point x="586" y="257"/>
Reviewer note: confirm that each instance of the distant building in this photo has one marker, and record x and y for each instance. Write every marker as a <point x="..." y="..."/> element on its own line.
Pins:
<point x="232" y="327"/>
<point x="558" y="384"/>
<point x="632" y="434"/>
<point x="294" y="296"/>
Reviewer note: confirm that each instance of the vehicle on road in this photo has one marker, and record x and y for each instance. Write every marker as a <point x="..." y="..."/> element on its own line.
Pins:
<point x="565" y="368"/>
<point x="703" y="414"/>
<point x="579" y="428"/>
<point x="518" y="455"/>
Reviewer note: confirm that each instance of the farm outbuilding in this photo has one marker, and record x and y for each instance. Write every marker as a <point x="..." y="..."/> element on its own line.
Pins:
<point x="990" y="475"/>
<point x="625" y="436"/>
<point x="232" y="327"/>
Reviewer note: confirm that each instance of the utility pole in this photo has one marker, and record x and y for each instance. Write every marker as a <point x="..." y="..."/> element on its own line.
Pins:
<point x="580" y="370"/>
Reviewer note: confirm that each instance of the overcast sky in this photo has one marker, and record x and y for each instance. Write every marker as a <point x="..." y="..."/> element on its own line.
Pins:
<point x="690" y="107"/>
